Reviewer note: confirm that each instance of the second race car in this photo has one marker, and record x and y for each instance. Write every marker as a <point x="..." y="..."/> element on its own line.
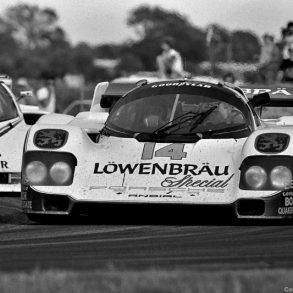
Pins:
<point x="14" y="124"/>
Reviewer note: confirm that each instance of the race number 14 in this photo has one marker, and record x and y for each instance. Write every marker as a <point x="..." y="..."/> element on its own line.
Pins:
<point x="174" y="151"/>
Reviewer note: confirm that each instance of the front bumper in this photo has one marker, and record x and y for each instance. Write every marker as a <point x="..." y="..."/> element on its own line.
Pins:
<point x="277" y="206"/>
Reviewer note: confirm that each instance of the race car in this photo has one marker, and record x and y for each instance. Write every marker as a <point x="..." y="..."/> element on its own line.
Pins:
<point x="13" y="127"/>
<point x="167" y="143"/>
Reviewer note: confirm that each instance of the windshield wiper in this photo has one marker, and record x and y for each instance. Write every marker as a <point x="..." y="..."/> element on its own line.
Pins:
<point x="183" y="119"/>
<point x="203" y="116"/>
<point x="169" y="125"/>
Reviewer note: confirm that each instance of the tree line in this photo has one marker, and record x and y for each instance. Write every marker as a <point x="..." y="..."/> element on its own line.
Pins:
<point x="34" y="43"/>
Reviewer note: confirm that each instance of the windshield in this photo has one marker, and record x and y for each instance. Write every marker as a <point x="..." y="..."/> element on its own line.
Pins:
<point x="149" y="113"/>
<point x="7" y="108"/>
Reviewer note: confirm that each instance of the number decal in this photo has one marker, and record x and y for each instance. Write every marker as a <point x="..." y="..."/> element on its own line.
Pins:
<point x="148" y="151"/>
<point x="174" y="151"/>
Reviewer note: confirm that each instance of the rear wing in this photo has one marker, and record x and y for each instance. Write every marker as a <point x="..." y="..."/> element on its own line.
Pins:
<point x="107" y="94"/>
<point x="114" y="92"/>
<point x="279" y="96"/>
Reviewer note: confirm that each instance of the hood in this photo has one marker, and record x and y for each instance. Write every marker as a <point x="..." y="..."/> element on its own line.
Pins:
<point x="177" y="171"/>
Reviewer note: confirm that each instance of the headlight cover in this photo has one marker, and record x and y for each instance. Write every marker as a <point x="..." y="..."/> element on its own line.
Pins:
<point x="60" y="172"/>
<point x="35" y="172"/>
<point x="256" y="177"/>
<point x="41" y="168"/>
<point x="274" y="170"/>
<point x="281" y="177"/>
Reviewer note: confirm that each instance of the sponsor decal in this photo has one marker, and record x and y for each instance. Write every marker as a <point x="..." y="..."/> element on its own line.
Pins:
<point x="180" y="176"/>
<point x="286" y="207"/>
<point x="179" y="84"/>
<point x="23" y="196"/>
<point x="154" y="195"/>
<point x="285" y="210"/>
<point x="279" y="91"/>
<point x="27" y="204"/>
<point x="4" y="164"/>
<point x="163" y="169"/>
<point x="189" y="181"/>
<point x="289" y="201"/>
<point x="287" y="193"/>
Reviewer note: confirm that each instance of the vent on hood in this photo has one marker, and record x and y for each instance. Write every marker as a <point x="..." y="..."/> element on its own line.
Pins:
<point x="95" y="137"/>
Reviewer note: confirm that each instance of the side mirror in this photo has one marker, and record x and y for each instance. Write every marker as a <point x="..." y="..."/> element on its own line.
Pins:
<point x="25" y="94"/>
<point x="260" y="99"/>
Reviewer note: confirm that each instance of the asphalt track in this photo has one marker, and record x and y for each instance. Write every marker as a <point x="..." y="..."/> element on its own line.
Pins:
<point x="204" y="245"/>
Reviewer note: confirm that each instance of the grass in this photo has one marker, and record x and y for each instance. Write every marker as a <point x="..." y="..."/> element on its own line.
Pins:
<point x="150" y="281"/>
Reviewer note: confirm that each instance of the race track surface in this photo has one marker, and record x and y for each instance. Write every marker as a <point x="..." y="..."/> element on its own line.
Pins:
<point x="25" y="245"/>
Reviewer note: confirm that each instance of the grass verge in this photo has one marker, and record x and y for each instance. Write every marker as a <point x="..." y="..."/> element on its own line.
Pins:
<point x="150" y="281"/>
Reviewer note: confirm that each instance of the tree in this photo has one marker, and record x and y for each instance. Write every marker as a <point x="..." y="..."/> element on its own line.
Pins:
<point x="9" y="49"/>
<point x="129" y="63"/>
<point x="245" y="46"/>
<point x="107" y="51"/>
<point x="32" y="26"/>
<point x="82" y="58"/>
<point x="152" y="25"/>
<point x="33" y="42"/>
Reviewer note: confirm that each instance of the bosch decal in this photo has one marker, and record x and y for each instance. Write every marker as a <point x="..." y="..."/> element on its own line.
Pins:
<point x="287" y="209"/>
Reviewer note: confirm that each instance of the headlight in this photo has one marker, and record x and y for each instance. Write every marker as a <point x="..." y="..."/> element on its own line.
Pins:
<point x="256" y="177"/>
<point x="35" y="172"/>
<point x="281" y="177"/>
<point x="60" y="173"/>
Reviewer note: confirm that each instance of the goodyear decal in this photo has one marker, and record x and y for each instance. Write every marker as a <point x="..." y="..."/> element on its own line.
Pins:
<point x="179" y="84"/>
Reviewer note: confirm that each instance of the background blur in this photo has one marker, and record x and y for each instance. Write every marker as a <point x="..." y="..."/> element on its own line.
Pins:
<point x="80" y="43"/>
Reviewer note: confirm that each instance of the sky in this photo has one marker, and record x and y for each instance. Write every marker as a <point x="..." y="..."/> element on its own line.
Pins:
<point x="104" y="21"/>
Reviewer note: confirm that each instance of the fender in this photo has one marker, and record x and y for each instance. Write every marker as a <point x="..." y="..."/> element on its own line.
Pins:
<point x="60" y="119"/>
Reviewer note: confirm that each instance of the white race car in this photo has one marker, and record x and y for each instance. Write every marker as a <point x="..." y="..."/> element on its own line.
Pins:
<point x="14" y="125"/>
<point x="180" y="142"/>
